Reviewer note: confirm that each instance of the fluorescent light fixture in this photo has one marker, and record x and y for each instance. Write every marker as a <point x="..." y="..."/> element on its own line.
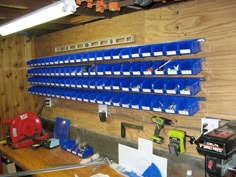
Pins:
<point x="51" y="12"/>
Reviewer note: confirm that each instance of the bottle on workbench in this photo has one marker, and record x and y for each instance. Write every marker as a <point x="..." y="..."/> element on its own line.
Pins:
<point x="189" y="173"/>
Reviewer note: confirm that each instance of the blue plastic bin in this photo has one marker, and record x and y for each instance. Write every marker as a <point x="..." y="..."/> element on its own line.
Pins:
<point x="99" y="55"/>
<point x="91" y="56"/>
<point x="146" y="103"/>
<point x="171" y="105"/>
<point x="135" y="85"/>
<point x="157" y="50"/>
<point x="158" y="103"/>
<point x="135" y="102"/>
<point x="171" y="48"/>
<point x="100" y="84"/>
<point x="115" y="84"/>
<point x="159" y="86"/>
<point x="117" y="69"/>
<point x="147" y="84"/>
<point x="116" y="100"/>
<point x="127" y="69"/>
<point x="172" y="86"/>
<point x="146" y="51"/>
<point x="107" y="54"/>
<point x="125" y="53"/>
<point x="115" y="53"/>
<point x="191" y="66"/>
<point x="188" y="106"/>
<point x="108" y="99"/>
<point x="125" y="84"/>
<point x="135" y="51"/>
<point x="190" y="86"/>
<point x="189" y="46"/>
<point x="125" y="100"/>
<point x="84" y="57"/>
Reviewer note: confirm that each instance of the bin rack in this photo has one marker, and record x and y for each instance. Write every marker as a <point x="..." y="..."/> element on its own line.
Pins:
<point x="191" y="46"/>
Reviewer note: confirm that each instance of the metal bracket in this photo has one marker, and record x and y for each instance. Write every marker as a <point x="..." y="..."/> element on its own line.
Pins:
<point x="97" y="43"/>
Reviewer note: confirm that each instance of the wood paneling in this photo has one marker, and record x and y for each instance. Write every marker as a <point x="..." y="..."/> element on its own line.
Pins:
<point x="13" y="79"/>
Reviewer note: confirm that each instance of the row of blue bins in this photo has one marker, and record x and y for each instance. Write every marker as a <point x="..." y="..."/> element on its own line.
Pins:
<point x="183" y="86"/>
<point x="191" y="46"/>
<point x="162" y="67"/>
<point x="168" y="104"/>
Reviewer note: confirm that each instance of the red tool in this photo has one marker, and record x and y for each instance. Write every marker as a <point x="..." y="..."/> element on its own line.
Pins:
<point x="25" y="130"/>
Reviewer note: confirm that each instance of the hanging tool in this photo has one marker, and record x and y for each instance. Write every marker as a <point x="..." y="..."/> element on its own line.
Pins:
<point x="160" y="122"/>
<point x="113" y="6"/>
<point x="176" y="141"/>
<point x="124" y="125"/>
<point x="25" y="130"/>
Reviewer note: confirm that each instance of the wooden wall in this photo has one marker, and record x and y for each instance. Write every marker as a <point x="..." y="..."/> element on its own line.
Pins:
<point x="212" y="20"/>
<point x="14" y="97"/>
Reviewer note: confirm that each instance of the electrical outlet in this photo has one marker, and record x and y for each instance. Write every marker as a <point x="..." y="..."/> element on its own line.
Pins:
<point x="209" y="124"/>
<point x="48" y="102"/>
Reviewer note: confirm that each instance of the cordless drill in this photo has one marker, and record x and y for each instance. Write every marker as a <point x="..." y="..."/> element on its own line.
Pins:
<point x="160" y="122"/>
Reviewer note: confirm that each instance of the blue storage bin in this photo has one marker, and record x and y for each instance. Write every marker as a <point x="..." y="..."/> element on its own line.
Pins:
<point x="93" y="97"/>
<point x="157" y="50"/>
<point x="100" y="98"/>
<point x="127" y="69"/>
<point x="158" y="103"/>
<point x="62" y="71"/>
<point x="85" y="82"/>
<point x="136" y="68"/>
<point x="116" y="100"/>
<point x="67" y="82"/>
<point x="51" y="60"/>
<point x="125" y="84"/>
<point x="171" y="105"/>
<point x="117" y="69"/>
<point x="188" y="106"/>
<point x="78" y="57"/>
<point x="146" y="103"/>
<point x="115" y="84"/>
<point x="173" y="67"/>
<point x="125" y="53"/>
<point x="68" y="144"/>
<point x="100" y="69"/>
<point x="125" y="100"/>
<point x="85" y="96"/>
<point x="135" y="51"/>
<point x="159" y="67"/>
<point x="135" y="85"/>
<point x="115" y="53"/>
<point x="61" y="59"/>
<point x="108" y="98"/>
<point x="91" y="56"/>
<point x="67" y="58"/>
<point x="146" y="68"/>
<point x="100" y="84"/>
<point x="146" y="50"/>
<point x="159" y="86"/>
<point x="135" y="102"/>
<point x="107" y="54"/>
<point x="191" y="66"/>
<point x="189" y="46"/>
<point x="99" y="55"/>
<point x="190" y="86"/>
<point x="147" y="84"/>
<point x="93" y="70"/>
<point x="108" y="69"/>
<point x="108" y="84"/>
<point x="171" y="48"/>
<point x="172" y="86"/>
<point x="92" y="83"/>
<point x="84" y="57"/>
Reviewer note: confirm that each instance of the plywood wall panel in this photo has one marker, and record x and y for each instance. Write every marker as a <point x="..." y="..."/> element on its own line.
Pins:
<point x="114" y="27"/>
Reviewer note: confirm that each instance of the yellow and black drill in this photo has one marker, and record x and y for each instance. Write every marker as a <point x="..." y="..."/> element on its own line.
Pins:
<point x="160" y="122"/>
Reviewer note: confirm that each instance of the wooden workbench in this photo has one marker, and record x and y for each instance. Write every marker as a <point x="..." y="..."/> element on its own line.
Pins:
<point x="29" y="159"/>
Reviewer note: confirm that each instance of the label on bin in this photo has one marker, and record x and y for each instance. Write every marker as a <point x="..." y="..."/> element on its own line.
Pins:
<point x="135" y="106"/>
<point x="171" y="52"/>
<point x="115" y="87"/>
<point x="86" y="74"/>
<point x="116" y="104"/>
<point x="135" y="55"/>
<point x="99" y="87"/>
<point x="185" y="51"/>
<point x="135" y="89"/>
<point x="158" y="90"/>
<point x="77" y="60"/>
<point x="92" y="73"/>
<point x="84" y="59"/>
<point x="136" y="73"/>
<point x="147" y="90"/>
<point x="108" y="102"/>
<point x="57" y="74"/>
<point x="147" y="72"/>
<point x="63" y="97"/>
<point x="52" y="84"/>
<point x="79" y="86"/>
<point x="125" y="56"/>
<point x="91" y="59"/>
<point x="160" y="53"/>
<point x="146" y="54"/>
<point x="79" y="99"/>
<point x="67" y="85"/>
<point x="108" y="87"/>
<point x="66" y="61"/>
<point x="116" y="57"/>
<point x="171" y="91"/>
<point x="99" y="58"/>
<point x="170" y="111"/>
<point x="184" y="112"/>
<point x="100" y="102"/>
<point x="172" y="71"/>
<point x="107" y="57"/>
<point x="92" y="86"/>
<point x="186" y="72"/>
<point x="57" y="84"/>
<point x="100" y="73"/>
<point x="72" y="85"/>
<point x="56" y="62"/>
<point x="72" y="61"/>
<point x="68" y="97"/>
<point x="125" y="89"/>
<point x="125" y="105"/>
<point x="117" y="72"/>
<point x="159" y="72"/>
<point x="73" y="73"/>
<point x="86" y="100"/>
<point x="85" y="86"/>
<point x="108" y="72"/>
<point x="185" y="92"/>
<point x="126" y="73"/>
<point x="145" y="108"/>
<point x="73" y="98"/>
<point x="92" y="101"/>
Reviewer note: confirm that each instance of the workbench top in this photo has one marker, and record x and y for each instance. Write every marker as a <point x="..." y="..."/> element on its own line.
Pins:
<point x="30" y="159"/>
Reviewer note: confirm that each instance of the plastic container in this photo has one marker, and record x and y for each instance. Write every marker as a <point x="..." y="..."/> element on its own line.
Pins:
<point x="189" y="46"/>
<point x="191" y="66"/>
<point x="125" y="100"/>
<point x="146" y="51"/>
<point x="127" y="69"/>
<point x="171" y="48"/>
<point x="91" y="56"/>
<point x="135" y="102"/>
<point x="135" y="52"/>
<point x="188" y="106"/>
<point x="99" y="55"/>
<point x="107" y="54"/>
<point x="158" y="103"/>
<point x="117" y="69"/>
<point x="84" y="56"/>
<point x="136" y="85"/>
<point x="159" y="86"/>
<point x="115" y="84"/>
<point x="125" y="53"/>
<point x="115" y="53"/>
<point x="157" y="50"/>
<point x="125" y="84"/>
<point x="190" y="86"/>
<point x="147" y="85"/>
